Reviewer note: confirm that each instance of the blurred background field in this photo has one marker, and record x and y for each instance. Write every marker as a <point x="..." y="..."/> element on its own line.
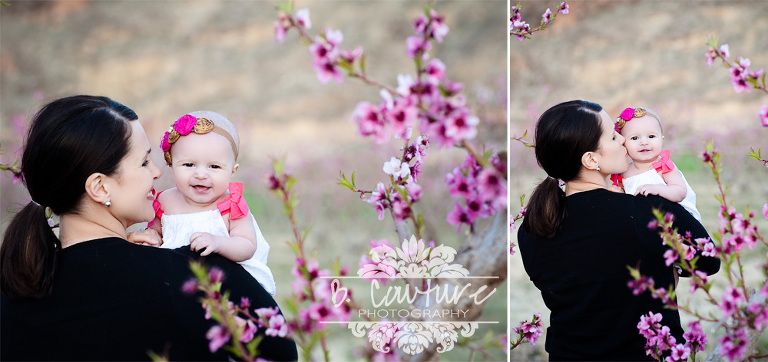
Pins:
<point x="651" y="53"/>
<point x="166" y="58"/>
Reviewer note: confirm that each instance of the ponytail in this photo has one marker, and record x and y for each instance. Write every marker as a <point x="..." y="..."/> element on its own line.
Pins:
<point x="563" y="134"/>
<point x="28" y="254"/>
<point x="69" y="139"/>
<point x="546" y="209"/>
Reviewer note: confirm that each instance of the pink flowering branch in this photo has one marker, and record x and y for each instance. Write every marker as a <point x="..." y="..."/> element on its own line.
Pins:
<point x="742" y="78"/>
<point x="527" y="332"/>
<point x="522" y="30"/>
<point x="311" y="302"/>
<point x="744" y="312"/>
<point x="430" y="104"/>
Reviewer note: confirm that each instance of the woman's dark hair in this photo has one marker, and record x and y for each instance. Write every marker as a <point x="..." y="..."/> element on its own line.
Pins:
<point x="69" y="139"/>
<point x="563" y="134"/>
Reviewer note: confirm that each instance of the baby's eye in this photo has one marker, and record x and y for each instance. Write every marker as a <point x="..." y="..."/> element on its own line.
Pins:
<point x="634" y="138"/>
<point x="145" y="163"/>
<point x="187" y="164"/>
<point x="652" y="136"/>
<point x="215" y="166"/>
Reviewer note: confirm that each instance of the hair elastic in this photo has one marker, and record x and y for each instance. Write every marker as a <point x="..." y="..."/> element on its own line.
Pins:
<point x="36" y="203"/>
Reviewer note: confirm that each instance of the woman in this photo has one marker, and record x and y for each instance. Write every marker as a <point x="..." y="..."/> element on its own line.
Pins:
<point x="89" y="294"/>
<point x="576" y="244"/>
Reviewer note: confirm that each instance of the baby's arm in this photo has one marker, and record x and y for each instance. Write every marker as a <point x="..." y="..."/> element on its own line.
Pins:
<point x="239" y="246"/>
<point x="674" y="190"/>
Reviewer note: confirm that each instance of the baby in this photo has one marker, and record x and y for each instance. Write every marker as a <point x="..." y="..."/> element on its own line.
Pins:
<point x="651" y="172"/>
<point x="205" y="210"/>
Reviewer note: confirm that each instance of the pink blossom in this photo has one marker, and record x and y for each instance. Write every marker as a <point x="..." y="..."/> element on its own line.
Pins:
<point x="302" y="18"/>
<point x="249" y="331"/>
<point x="401" y="210"/>
<point x="370" y="121"/>
<point x="530" y="330"/>
<point x="762" y="115"/>
<point x="277" y="326"/>
<point x="396" y="168"/>
<point x="280" y="33"/>
<point x="702" y="279"/>
<point x="461" y="126"/>
<point x="695" y="337"/>
<point x="417" y="45"/>
<point x="414" y="191"/>
<point x="377" y="199"/>
<point x="217" y="337"/>
<point x="333" y="37"/>
<point x="649" y="324"/>
<point x="350" y="56"/>
<point x="190" y="286"/>
<point x="492" y="188"/>
<point x="434" y="27"/>
<point x="640" y="285"/>
<point x="670" y="256"/>
<point x="725" y="51"/>
<point x="215" y="275"/>
<point x="435" y="70"/>
<point x="734" y="344"/>
<point x="459" y="215"/>
<point x="319" y="313"/>
<point x="459" y="185"/>
<point x="546" y="17"/>
<point x="563" y="9"/>
<point x="322" y="50"/>
<point x="731" y="300"/>
<point x="402" y="116"/>
<point x="326" y="71"/>
<point x="679" y="352"/>
<point x="185" y="124"/>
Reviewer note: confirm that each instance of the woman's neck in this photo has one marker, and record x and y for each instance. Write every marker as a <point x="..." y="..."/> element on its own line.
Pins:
<point x="594" y="180"/>
<point x="77" y="228"/>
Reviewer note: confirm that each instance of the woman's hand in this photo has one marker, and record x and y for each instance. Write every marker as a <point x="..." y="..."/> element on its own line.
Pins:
<point x="148" y="237"/>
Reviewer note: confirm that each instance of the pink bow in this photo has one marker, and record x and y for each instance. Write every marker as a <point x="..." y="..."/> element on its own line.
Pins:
<point x="664" y="165"/>
<point x="234" y="203"/>
<point x="617" y="179"/>
<point x="158" y="208"/>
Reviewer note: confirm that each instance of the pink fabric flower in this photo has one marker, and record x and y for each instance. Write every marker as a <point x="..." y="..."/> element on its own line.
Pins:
<point x="164" y="145"/>
<point x="627" y="114"/>
<point x="185" y="124"/>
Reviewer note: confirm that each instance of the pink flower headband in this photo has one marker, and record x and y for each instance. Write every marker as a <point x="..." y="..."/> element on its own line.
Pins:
<point x="187" y="124"/>
<point x="628" y="113"/>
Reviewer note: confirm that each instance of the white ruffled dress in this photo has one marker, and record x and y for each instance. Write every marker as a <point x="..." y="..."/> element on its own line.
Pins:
<point x="177" y="229"/>
<point x="652" y="177"/>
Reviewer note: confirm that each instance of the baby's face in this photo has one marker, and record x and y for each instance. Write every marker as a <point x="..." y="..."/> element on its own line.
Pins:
<point x="643" y="139"/>
<point x="203" y="166"/>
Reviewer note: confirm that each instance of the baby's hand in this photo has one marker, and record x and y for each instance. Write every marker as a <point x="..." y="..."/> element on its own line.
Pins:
<point x="148" y="237"/>
<point x="646" y="190"/>
<point x="205" y="242"/>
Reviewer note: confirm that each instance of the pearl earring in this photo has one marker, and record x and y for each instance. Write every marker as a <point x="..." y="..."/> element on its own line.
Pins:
<point x="108" y="204"/>
<point x="598" y="168"/>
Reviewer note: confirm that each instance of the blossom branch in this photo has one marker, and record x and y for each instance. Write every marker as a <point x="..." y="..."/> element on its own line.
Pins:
<point x="523" y="30"/>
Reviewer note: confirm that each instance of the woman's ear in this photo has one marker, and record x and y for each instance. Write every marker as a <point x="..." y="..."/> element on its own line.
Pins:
<point x="235" y="168"/>
<point x="96" y="187"/>
<point x="588" y="161"/>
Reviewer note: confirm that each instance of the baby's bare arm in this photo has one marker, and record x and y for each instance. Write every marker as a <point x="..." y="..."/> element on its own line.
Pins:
<point x="675" y="190"/>
<point x="239" y="246"/>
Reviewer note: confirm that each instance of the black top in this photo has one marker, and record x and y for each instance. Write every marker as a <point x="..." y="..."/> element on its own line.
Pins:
<point x="582" y="274"/>
<point x="113" y="300"/>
